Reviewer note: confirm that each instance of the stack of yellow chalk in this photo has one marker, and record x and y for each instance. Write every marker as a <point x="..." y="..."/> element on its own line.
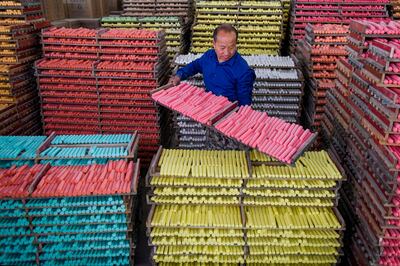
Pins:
<point x="20" y="24"/>
<point x="229" y="207"/>
<point x="313" y="182"/>
<point x="290" y="212"/>
<point x="199" y="177"/>
<point x="196" y="218"/>
<point x="177" y="29"/>
<point x="259" y="24"/>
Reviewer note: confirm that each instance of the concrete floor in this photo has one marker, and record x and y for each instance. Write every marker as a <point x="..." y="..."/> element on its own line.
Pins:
<point x="142" y="252"/>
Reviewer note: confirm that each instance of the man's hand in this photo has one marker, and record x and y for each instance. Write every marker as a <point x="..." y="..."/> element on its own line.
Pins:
<point x="174" y="80"/>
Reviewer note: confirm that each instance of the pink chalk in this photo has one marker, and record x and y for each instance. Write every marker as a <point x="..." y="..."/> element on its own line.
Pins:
<point x="256" y="129"/>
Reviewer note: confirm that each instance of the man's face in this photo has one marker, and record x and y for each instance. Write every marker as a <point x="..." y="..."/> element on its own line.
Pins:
<point x="225" y="45"/>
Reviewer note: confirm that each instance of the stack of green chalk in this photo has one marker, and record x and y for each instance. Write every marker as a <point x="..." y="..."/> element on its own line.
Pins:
<point x="95" y="230"/>
<point x="16" y="239"/>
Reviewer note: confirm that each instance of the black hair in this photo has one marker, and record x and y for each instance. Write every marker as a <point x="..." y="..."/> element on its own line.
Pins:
<point x="226" y="28"/>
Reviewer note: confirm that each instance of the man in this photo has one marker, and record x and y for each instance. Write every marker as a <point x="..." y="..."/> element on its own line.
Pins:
<point x="224" y="71"/>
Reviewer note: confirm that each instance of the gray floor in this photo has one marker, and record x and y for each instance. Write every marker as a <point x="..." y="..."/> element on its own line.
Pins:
<point x="142" y="252"/>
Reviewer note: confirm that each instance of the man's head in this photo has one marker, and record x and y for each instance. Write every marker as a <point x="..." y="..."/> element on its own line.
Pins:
<point x="225" y="38"/>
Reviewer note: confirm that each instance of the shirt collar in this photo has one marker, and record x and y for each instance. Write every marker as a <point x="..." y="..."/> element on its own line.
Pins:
<point x="230" y="62"/>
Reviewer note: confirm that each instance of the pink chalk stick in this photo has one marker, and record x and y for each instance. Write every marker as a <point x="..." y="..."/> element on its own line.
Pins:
<point x="279" y="151"/>
<point x="246" y="137"/>
<point x="278" y="136"/>
<point x="268" y="146"/>
<point x="243" y="132"/>
<point x="285" y="152"/>
<point x="253" y="139"/>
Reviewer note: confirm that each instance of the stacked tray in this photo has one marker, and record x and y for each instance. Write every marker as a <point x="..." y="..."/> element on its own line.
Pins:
<point x="19" y="150"/>
<point x="176" y="28"/>
<point x="16" y="238"/>
<point x="80" y="236"/>
<point x="67" y="84"/>
<point x="286" y="4"/>
<point x="181" y="8"/>
<point x="349" y="140"/>
<point x="20" y="12"/>
<point x="368" y="78"/>
<point x="67" y="149"/>
<point x="196" y="214"/>
<point x="20" y="22"/>
<point x="313" y="182"/>
<point x="286" y="194"/>
<point x="70" y="214"/>
<point x="375" y="97"/>
<point x="87" y="149"/>
<point x="332" y="12"/>
<point x="275" y="235"/>
<point x="189" y="133"/>
<point x="278" y="87"/>
<point x="337" y="116"/>
<point x="81" y="222"/>
<point x="259" y="24"/>
<point x="321" y="48"/>
<point x="78" y="215"/>
<point x="200" y="182"/>
<point x="218" y="183"/>
<point x="104" y="86"/>
<point x="125" y="81"/>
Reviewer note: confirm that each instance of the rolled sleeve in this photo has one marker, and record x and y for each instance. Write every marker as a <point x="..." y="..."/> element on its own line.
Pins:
<point x="245" y="87"/>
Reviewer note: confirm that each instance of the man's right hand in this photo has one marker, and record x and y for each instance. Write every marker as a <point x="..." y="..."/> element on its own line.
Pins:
<point x="174" y="80"/>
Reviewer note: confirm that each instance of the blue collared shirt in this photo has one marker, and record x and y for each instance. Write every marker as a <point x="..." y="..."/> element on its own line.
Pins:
<point x="233" y="79"/>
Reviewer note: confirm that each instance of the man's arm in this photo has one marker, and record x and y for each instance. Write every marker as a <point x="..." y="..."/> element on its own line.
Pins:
<point x="190" y="70"/>
<point x="187" y="71"/>
<point x="245" y="87"/>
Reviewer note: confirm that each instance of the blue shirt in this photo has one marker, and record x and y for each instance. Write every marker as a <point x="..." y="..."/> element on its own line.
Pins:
<point x="233" y="78"/>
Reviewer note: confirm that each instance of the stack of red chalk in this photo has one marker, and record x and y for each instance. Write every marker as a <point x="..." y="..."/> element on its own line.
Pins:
<point x="335" y="12"/>
<point x="69" y="44"/>
<point x="129" y="34"/>
<point x="269" y="135"/>
<point x="66" y="64"/>
<point x="192" y="101"/>
<point x="105" y="75"/>
<point x="67" y="32"/>
<point x="362" y="33"/>
<point x="110" y="65"/>
<point x="115" y="177"/>
<point x="67" y="82"/>
<point x="15" y="181"/>
<point x="365" y="104"/>
<point x="337" y="113"/>
<point x="392" y="79"/>
<point x="319" y="52"/>
<point x="133" y="62"/>
<point x="392" y="27"/>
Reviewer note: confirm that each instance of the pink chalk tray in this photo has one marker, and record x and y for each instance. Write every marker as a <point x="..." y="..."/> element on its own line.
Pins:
<point x="279" y="139"/>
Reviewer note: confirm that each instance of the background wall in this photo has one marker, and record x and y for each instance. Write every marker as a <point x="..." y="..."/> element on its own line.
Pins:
<point x="64" y="9"/>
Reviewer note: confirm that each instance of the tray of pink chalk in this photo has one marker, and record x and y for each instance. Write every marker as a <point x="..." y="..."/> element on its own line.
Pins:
<point x="275" y="137"/>
<point x="194" y="102"/>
